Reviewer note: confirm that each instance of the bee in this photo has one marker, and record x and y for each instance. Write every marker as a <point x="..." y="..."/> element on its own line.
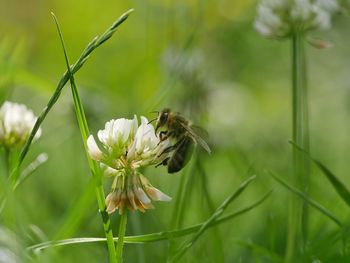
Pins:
<point x="176" y="127"/>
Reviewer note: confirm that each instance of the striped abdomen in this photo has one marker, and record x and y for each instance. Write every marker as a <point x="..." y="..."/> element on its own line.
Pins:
<point x="181" y="155"/>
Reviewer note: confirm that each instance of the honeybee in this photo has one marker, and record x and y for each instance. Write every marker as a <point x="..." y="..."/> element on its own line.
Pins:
<point x="176" y="127"/>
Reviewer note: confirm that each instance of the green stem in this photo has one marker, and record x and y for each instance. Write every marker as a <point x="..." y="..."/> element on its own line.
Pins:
<point x="121" y="235"/>
<point x="182" y="194"/>
<point x="297" y="220"/>
<point x="95" y="171"/>
<point x="6" y="198"/>
<point x="8" y="161"/>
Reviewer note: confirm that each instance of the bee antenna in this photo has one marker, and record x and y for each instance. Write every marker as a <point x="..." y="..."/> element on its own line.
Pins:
<point x="152" y="120"/>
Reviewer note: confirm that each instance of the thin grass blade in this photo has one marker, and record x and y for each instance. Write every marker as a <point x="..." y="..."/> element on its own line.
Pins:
<point x="80" y="62"/>
<point x="337" y="184"/>
<point x="261" y="251"/>
<point x="31" y="168"/>
<point x="310" y="201"/>
<point x="214" y="216"/>
<point x="340" y="188"/>
<point x="84" y="130"/>
<point x="154" y="237"/>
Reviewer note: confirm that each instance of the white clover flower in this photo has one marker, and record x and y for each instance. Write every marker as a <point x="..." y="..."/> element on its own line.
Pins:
<point x="322" y="19"/>
<point x="16" y="123"/>
<point x="301" y="10"/>
<point x="331" y="6"/>
<point x="278" y="18"/>
<point x="269" y="21"/>
<point x="123" y="148"/>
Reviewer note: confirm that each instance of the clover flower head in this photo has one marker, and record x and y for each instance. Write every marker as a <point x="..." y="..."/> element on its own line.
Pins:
<point x="122" y="148"/>
<point x="278" y="18"/>
<point x="16" y="123"/>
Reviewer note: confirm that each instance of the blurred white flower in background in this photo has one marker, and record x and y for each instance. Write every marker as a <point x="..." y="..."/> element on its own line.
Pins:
<point x="9" y="247"/>
<point x="278" y="19"/>
<point x="224" y="122"/>
<point x="122" y="148"/>
<point x="7" y="256"/>
<point x="16" y="123"/>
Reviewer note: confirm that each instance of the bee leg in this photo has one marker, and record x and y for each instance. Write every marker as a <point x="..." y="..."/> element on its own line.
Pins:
<point x="172" y="147"/>
<point x="162" y="136"/>
<point x="167" y="150"/>
<point x="164" y="162"/>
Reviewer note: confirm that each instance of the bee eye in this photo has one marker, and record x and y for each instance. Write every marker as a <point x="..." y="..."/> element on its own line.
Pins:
<point x="164" y="117"/>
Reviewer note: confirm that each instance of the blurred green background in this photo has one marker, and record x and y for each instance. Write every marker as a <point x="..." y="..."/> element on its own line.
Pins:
<point x="204" y="59"/>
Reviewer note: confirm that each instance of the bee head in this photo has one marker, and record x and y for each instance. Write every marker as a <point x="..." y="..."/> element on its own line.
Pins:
<point x="162" y="118"/>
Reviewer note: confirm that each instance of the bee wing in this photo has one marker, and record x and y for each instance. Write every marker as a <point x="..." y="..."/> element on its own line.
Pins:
<point x="196" y="137"/>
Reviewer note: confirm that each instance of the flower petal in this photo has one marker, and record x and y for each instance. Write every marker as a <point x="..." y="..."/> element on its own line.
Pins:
<point x="16" y="122"/>
<point x="112" y="201"/>
<point x="141" y="195"/>
<point x="157" y="195"/>
<point x="94" y="151"/>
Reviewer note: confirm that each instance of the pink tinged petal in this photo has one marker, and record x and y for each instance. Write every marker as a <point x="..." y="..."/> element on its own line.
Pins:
<point x="93" y="149"/>
<point x="157" y="195"/>
<point x="141" y="195"/>
<point x="148" y="206"/>
<point x="144" y="181"/>
<point x="123" y="202"/>
<point x="131" y="198"/>
<point x="112" y="201"/>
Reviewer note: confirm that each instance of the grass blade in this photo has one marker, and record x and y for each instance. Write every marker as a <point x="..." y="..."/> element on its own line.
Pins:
<point x="84" y="130"/>
<point x="154" y="237"/>
<point x="337" y="184"/>
<point x="213" y="217"/>
<point x="31" y="168"/>
<point x="96" y="42"/>
<point x="340" y="188"/>
<point x="308" y="200"/>
<point x="262" y="251"/>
